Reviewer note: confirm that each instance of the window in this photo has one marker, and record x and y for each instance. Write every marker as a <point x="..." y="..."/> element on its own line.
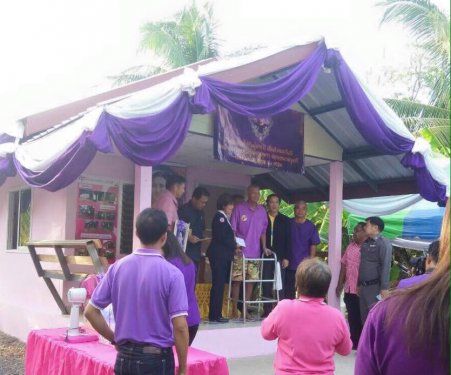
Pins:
<point x="19" y="218"/>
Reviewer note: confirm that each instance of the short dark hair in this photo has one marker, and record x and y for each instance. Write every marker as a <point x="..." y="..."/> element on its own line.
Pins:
<point x="376" y="220"/>
<point x="434" y="250"/>
<point x="172" y="249"/>
<point x="268" y="198"/>
<point x="224" y="200"/>
<point x="237" y="198"/>
<point x="313" y="278"/>
<point x="200" y="192"/>
<point x="174" y="180"/>
<point x="360" y="224"/>
<point x="151" y="224"/>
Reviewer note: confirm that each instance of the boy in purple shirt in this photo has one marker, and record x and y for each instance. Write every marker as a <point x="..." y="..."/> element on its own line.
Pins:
<point x="304" y="238"/>
<point x="249" y="222"/>
<point x="149" y="303"/>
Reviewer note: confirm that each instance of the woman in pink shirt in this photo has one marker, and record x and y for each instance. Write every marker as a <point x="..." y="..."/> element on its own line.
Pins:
<point x="309" y="331"/>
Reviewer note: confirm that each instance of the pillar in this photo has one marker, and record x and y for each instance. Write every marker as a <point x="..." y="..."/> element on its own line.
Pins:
<point x="335" y="222"/>
<point x="143" y="195"/>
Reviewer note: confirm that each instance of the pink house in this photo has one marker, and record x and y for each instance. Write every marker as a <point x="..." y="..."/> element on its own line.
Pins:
<point x="339" y="163"/>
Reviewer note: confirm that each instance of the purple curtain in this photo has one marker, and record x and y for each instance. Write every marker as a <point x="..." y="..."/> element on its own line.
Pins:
<point x="261" y="100"/>
<point x="63" y="171"/>
<point x="148" y="140"/>
<point x="376" y="133"/>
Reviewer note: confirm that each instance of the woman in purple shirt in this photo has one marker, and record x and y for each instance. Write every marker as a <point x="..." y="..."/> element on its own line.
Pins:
<point x="175" y="255"/>
<point x="408" y="333"/>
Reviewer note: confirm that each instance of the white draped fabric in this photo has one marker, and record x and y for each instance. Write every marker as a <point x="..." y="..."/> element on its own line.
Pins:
<point x="381" y="205"/>
<point x="37" y="155"/>
<point x="156" y="98"/>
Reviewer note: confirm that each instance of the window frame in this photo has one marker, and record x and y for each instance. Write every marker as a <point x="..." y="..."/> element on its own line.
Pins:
<point x="9" y="245"/>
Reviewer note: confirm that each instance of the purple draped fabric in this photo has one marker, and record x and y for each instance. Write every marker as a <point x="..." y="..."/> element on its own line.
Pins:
<point x="149" y="140"/>
<point x="261" y="100"/>
<point x="66" y="169"/>
<point x="376" y="133"/>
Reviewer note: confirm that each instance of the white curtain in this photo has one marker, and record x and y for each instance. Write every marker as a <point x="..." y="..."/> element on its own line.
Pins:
<point x="380" y="206"/>
<point x="37" y="155"/>
<point x="156" y="98"/>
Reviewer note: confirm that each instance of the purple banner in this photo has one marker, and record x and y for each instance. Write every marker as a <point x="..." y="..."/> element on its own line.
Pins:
<point x="275" y="142"/>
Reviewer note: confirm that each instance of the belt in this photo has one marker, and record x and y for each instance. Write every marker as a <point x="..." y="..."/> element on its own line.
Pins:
<point x="146" y="348"/>
<point x="369" y="282"/>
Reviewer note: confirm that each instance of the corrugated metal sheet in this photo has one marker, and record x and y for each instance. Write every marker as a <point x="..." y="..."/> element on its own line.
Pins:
<point x="325" y="91"/>
<point x="292" y="181"/>
<point x="384" y="167"/>
<point x="340" y="125"/>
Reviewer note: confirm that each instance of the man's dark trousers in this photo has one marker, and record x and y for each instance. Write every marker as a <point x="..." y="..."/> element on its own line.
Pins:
<point x="355" y="322"/>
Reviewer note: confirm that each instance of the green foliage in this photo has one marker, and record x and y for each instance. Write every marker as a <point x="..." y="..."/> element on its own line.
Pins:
<point x="430" y="28"/>
<point x="187" y="38"/>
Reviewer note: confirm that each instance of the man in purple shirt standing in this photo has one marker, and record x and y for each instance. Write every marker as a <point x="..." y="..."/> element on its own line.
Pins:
<point x="149" y="303"/>
<point x="304" y="239"/>
<point x="429" y="266"/>
<point x="249" y="222"/>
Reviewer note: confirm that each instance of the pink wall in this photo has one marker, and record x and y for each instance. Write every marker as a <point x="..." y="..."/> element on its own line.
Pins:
<point x="25" y="301"/>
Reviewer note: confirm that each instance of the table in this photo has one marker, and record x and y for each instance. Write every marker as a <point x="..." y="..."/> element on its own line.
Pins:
<point x="48" y="353"/>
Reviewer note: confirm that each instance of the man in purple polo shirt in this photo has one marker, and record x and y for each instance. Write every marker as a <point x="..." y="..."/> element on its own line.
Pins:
<point x="249" y="222"/>
<point x="304" y="239"/>
<point x="149" y="303"/>
<point x="429" y="266"/>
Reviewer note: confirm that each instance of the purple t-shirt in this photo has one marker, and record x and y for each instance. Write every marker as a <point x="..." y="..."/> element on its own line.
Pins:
<point x="189" y="273"/>
<point x="406" y="283"/>
<point x="384" y="351"/>
<point x="250" y="225"/>
<point x="302" y="237"/>
<point x="146" y="292"/>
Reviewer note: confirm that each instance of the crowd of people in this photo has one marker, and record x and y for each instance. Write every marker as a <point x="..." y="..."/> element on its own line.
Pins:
<point x="152" y="291"/>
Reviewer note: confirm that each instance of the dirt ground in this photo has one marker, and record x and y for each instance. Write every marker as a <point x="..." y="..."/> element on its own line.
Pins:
<point x="12" y="354"/>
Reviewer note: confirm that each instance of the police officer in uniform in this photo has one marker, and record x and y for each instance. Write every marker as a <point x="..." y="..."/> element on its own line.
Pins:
<point x="375" y="263"/>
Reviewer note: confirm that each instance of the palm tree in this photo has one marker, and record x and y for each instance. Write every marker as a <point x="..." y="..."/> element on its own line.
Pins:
<point x="189" y="37"/>
<point x="430" y="28"/>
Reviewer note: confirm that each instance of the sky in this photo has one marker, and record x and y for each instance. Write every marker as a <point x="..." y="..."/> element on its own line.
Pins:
<point x="56" y="51"/>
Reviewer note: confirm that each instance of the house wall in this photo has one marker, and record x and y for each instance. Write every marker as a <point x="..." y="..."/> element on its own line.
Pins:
<point x="25" y="301"/>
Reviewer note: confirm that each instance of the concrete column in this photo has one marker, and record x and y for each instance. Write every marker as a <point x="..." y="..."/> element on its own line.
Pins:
<point x="335" y="222"/>
<point x="143" y="194"/>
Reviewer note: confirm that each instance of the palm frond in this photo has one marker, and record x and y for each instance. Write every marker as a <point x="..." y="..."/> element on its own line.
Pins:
<point x="136" y="73"/>
<point x="439" y="138"/>
<point x="406" y="108"/>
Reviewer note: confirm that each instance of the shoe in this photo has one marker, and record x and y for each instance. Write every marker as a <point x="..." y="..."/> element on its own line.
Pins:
<point x="220" y="320"/>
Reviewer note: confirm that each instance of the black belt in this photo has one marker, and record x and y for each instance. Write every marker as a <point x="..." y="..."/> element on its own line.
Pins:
<point x="369" y="282"/>
<point x="147" y="348"/>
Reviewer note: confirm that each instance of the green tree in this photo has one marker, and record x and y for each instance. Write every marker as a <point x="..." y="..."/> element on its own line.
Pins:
<point x="430" y="28"/>
<point x="190" y="36"/>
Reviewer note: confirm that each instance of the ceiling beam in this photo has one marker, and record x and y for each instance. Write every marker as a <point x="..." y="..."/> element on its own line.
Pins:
<point x="327" y="108"/>
<point x="353" y="164"/>
<point x="323" y="189"/>
<point x="361" y="190"/>
<point x="266" y="181"/>
<point x="363" y="152"/>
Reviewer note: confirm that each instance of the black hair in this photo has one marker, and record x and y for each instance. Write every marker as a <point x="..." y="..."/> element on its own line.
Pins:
<point x="361" y="224"/>
<point x="151" y="224"/>
<point x="200" y="192"/>
<point x="313" y="278"/>
<point x="237" y="198"/>
<point x="376" y="220"/>
<point x="223" y="201"/>
<point x="172" y="249"/>
<point x="174" y="180"/>
<point x="268" y="198"/>
<point x="434" y="250"/>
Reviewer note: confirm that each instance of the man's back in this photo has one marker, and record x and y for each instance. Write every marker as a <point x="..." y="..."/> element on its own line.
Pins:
<point x="146" y="292"/>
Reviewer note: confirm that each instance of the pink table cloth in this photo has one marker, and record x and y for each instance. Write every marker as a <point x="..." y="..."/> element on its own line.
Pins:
<point x="49" y="354"/>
